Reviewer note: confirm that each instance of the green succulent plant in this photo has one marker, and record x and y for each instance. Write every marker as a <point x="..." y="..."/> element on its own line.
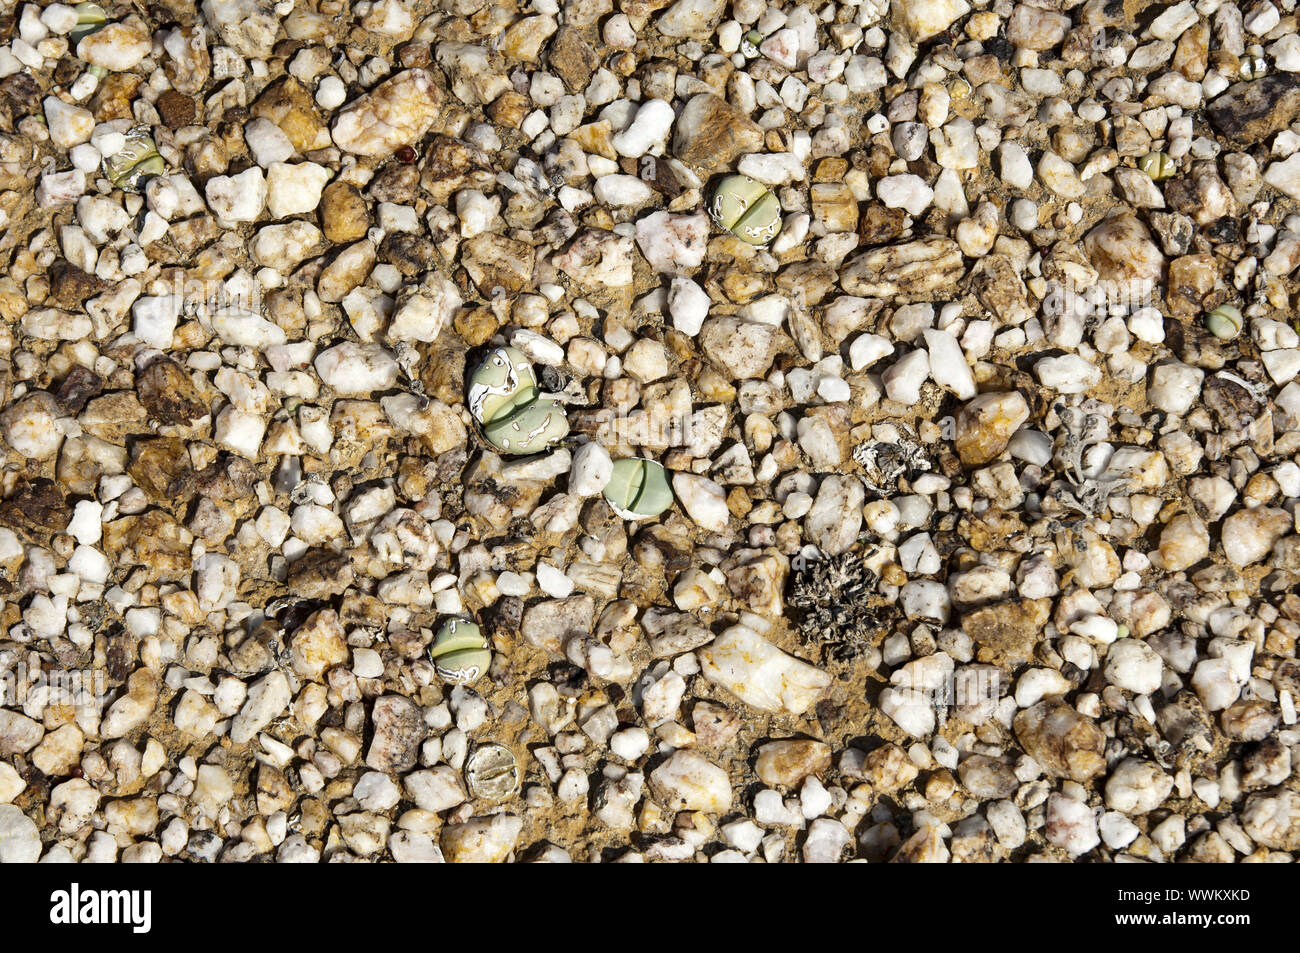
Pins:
<point x="1224" y="322"/>
<point x="460" y="653"/>
<point x="1158" y="165"/>
<point x="638" y="489"/>
<point x="91" y="18"/>
<point x="504" y="398"/>
<point x="746" y="208"/>
<point x="136" y="162"/>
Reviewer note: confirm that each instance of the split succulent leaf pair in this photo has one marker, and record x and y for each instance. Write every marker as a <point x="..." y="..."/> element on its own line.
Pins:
<point x="505" y="400"/>
<point x="460" y="652"/>
<point x="638" y="489"/>
<point x="136" y="162"/>
<point x="746" y="208"/>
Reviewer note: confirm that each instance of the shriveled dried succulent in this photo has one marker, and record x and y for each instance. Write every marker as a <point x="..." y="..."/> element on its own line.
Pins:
<point x="834" y="599"/>
<point x="883" y="463"/>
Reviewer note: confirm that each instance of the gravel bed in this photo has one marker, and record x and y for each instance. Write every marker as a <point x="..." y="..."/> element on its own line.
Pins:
<point x="649" y="430"/>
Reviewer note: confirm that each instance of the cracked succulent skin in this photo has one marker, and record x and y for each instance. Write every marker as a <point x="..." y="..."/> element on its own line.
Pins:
<point x="492" y="771"/>
<point x="460" y="653"/>
<point x="746" y="208"/>
<point x="638" y="489"/>
<point x="136" y="162"/>
<point x="534" y="427"/>
<point x="504" y="398"/>
<point x="502" y="383"/>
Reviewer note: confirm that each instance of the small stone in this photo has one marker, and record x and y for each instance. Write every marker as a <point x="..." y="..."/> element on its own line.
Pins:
<point x="132" y="709"/>
<point x="621" y="191"/>
<point x="908" y="192"/>
<point x="239" y="431"/>
<point x="690" y="18"/>
<point x="835" y="518"/>
<point x="267" y="700"/>
<point x="1184" y="542"/>
<point x="572" y="58"/>
<point x="1252" y="111"/>
<point x="1068" y="373"/>
<point x="704" y="501"/>
<point x="786" y="763"/>
<point x="18" y="733"/>
<point x="398" y="731"/>
<point x="59" y="751"/>
<point x="987" y="778"/>
<point x="292" y="189"/>
<point x="20" y="841"/>
<point x="423" y="313"/>
<point x="649" y="127"/>
<point x="689" y="782"/>
<point x="1249" y="534"/>
<point x="985" y="426"/>
<point x="672" y="244"/>
<point x="284" y="246"/>
<point x="1272" y="819"/>
<point x="318" y="644"/>
<point x="68" y="125"/>
<point x="759" y="674"/>
<point x="1008" y="631"/>
<point x="1175" y="387"/>
<point x="1062" y="741"/>
<point x="742" y="349"/>
<point x="344" y="215"/>
<point x="1122" y="252"/>
<point x="955" y="147"/>
<point x="398" y="112"/>
<point x="11" y="783"/>
<point x="926" y="846"/>
<point x="710" y="133"/>
<point x="630" y="743"/>
<point x="155" y="319"/>
<point x="947" y="364"/>
<point x="590" y="470"/>
<point x="1071" y="825"/>
<point x="905" y="376"/>
<point x="350" y="368"/>
<point x="237" y="198"/>
<point x="834" y="208"/>
<point x="548" y="624"/>
<point x="118" y="47"/>
<point x="435" y="790"/>
<point x="906" y="271"/>
<point x="1134" y="666"/>
<point x="1033" y="28"/>
<point x="1015" y="166"/>
<point x="688" y="304"/>
<point x="176" y="109"/>
<point x="928" y="18"/>
<point x="645" y="361"/>
<point x="376" y="792"/>
<point x="1215" y="683"/>
<point x="1136" y="786"/>
<point x="30" y="428"/>
<point x="250" y="26"/>
<point x="827" y="838"/>
<point x="288" y="104"/>
<point x="267" y="142"/>
<point x="596" y="258"/>
<point x="481" y="840"/>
